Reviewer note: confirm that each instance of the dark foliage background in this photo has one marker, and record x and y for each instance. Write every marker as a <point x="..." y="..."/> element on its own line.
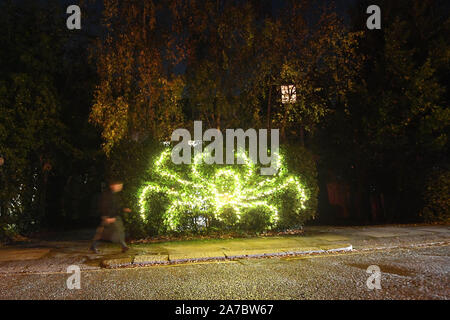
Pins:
<point x="369" y="130"/>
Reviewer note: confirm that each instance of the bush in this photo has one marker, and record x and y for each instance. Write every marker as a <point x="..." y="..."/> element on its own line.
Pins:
<point x="256" y="219"/>
<point x="301" y="163"/>
<point x="436" y="197"/>
<point x="194" y="198"/>
<point x="158" y="204"/>
<point x="7" y="232"/>
<point x="228" y="220"/>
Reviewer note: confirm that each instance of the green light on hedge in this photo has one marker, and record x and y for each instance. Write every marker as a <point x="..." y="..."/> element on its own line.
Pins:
<point x="209" y="190"/>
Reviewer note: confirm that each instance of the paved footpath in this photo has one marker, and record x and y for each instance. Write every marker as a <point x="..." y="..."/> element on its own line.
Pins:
<point x="414" y="263"/>
<point x="56" y="256"/>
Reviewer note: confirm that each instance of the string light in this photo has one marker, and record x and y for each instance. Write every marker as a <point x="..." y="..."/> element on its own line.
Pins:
<point x="208" y="190"/>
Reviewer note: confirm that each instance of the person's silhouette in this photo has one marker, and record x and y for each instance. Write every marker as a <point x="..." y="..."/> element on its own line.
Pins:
<point x="111" y="227"/>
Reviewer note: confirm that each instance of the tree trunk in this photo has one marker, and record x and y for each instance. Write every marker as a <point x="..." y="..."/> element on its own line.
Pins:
<point x="268" y="107"/>
<point x="302" y="136"/>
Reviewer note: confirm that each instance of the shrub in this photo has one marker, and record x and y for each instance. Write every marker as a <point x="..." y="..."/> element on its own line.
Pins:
<point x="228" y="219"/>
<point x="436" y="197"/>
<point x="7" y="232"/>
<point x="199" y="197"/>
<point x="256" y="219"/>
<point x="301" y="163"/>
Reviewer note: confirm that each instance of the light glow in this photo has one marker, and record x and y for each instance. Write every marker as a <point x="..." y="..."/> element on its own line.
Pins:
<point x="207" y="190"/>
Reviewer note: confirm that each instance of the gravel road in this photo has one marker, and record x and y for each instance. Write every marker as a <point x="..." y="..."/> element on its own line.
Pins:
<point x="412" y="273"/>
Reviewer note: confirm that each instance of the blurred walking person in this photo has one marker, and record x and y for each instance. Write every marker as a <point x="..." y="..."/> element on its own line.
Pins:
<point x="111" y="227"/>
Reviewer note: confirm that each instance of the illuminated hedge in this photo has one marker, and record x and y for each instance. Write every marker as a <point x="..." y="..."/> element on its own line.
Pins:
<point x="212" y="192"/>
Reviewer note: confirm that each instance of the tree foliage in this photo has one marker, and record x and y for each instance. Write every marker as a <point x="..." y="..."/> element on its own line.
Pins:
<point x="136" y="95"/>
<point x="44" y="136"/>
<point x="395" y="129"/>
<point x="217" y="61"/>
<point x="31" y="130"/>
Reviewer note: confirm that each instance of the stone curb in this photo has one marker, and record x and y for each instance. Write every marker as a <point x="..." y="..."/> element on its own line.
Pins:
<point x="116" y="263"/>
<point x="165" y="259"/>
